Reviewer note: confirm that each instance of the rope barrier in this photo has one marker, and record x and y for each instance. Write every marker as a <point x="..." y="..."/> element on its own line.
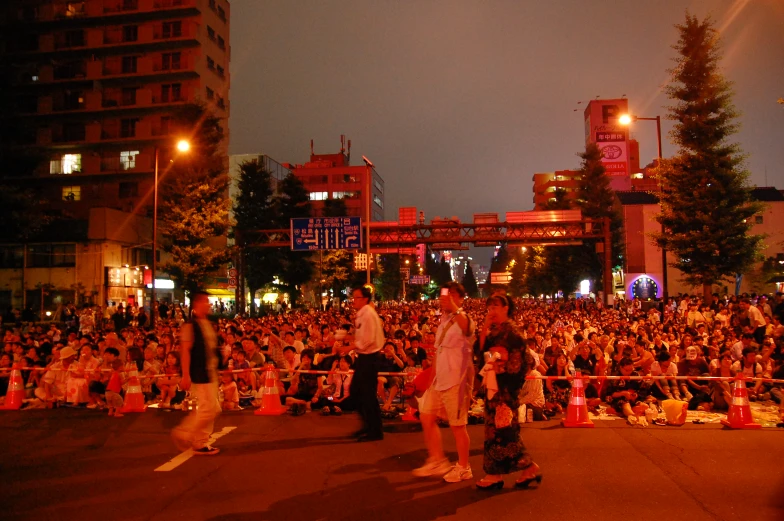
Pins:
<point x="404" y="374"/>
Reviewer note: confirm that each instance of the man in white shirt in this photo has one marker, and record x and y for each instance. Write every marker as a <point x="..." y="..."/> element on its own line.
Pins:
<point x="450" y="393"/>
<point x="367" y="341"/>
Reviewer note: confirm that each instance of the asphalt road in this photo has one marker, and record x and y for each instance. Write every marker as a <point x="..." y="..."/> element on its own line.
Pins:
<point x="82" y="465"/>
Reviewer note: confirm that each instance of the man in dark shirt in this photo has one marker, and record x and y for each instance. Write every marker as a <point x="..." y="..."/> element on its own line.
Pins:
<point x="199" y="361"/>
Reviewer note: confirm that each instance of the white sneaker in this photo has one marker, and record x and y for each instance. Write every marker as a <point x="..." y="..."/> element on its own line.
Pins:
<point x="458" y="474"/>
<point x="432" y="468"/>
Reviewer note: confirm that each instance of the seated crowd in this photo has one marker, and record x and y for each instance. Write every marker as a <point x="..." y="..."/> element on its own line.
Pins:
<point x="686" y="337"/>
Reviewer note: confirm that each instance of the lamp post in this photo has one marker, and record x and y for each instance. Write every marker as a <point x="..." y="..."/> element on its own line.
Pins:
<point x="369" y="183"/>
<point x="628" y="120"/>
<point x="182" y="146"/>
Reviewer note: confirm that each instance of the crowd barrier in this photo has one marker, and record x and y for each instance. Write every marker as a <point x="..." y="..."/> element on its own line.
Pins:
<point x="540" y="377"/>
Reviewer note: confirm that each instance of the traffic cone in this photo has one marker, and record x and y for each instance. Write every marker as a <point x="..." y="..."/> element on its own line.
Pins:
<point x="134" y="399"/>
<point x="269" y="395"/>
<point x="739" y="415"/>
<point x="577" y="410"/>
<point x="410" y="415"/>
<point x="15" y="394"/>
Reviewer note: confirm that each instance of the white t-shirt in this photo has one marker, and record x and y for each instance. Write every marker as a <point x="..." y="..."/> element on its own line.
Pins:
<point x="453" y="354"/>
<point x="671" y="371"/>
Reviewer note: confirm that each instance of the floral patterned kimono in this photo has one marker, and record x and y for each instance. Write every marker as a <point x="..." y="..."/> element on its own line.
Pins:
<point x="504" y="449"/>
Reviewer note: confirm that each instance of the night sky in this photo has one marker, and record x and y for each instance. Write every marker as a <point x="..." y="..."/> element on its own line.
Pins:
<point x="458" y="103"/>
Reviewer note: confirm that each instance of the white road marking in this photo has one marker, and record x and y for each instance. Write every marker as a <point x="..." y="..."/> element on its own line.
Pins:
<point x="188" y="454"/>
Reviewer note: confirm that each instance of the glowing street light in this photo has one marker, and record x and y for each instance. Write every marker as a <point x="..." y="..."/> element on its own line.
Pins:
<point x="182" y="146"/>
<point x="625" y="120"/>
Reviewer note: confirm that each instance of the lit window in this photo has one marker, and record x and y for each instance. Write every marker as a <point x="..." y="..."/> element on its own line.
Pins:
<point x="128" y="159"/>
<point x="378" y="201"/>
<point x="67" y="164"/>
<point x="345" y="195"/>
<point x="638" y="175"/>
<point x="72" y="193"/>
<point x="319" y="196"/>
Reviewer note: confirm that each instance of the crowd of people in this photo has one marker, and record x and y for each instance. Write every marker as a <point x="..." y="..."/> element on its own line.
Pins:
<point x="75" y="364"/>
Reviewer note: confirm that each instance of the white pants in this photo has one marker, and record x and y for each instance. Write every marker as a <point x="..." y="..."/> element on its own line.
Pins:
<point x="197" y="427"/>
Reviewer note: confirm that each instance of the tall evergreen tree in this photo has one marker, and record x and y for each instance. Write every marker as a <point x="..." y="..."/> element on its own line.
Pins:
<point x="194" y="202"/>
<point x="469" y="282"/>
<point x="293" y="202"/>
<point x="253" y="210"/>
<point x="704" y="192"/>
<point x="596" y="200"/>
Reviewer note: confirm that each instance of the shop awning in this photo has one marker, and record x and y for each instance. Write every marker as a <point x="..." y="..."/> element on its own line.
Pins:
<point x="220" y="292"/>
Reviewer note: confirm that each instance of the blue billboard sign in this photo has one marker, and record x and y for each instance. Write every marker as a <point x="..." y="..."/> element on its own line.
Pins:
<point x="326" y="233"/>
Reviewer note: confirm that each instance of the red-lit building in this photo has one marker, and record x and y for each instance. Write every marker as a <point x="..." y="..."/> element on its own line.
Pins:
<point x="331" y="176"/>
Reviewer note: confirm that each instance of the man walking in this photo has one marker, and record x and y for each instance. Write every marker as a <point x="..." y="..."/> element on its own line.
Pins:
<point x="367" y="341"/>
<point x="449" y="395"/>
<point x="199" y="360"/>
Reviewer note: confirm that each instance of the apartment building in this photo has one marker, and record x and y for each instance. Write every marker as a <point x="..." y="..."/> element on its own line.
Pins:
<point x="95" y="83"/>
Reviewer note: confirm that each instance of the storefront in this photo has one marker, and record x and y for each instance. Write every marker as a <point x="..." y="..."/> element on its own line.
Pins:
<point x="125" y="285"/>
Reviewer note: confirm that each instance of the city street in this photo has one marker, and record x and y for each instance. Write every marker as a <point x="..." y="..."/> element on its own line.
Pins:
<point x="82" y="465"/>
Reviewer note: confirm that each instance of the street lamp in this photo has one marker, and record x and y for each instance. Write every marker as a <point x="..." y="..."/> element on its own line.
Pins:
<point x="627" y="119"/>
<point x="369" y="175"/>
<point x="183" y="146"/>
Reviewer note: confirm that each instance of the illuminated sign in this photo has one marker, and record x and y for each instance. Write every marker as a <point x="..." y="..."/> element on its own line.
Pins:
<point x="125" y="277"/>
<point x="645" y="288"/>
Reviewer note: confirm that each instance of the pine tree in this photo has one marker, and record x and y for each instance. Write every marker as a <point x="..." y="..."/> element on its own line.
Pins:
<point x="293" y="202"/>
<point x="254" y="211"/>
<point x="194" y="202"/>
<point x="596" y="200"/>
<point x="704" y="192"/>
<point x="469" y="282"/>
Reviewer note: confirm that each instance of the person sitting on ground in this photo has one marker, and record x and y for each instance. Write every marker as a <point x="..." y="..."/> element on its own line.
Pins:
<point x="53" y="384"/>
<point x="750" y="368"/>
<point x="168" y="384"/>
<point x="721" y="394"/>
<point x="390" y="364"/>
<point x="305" y="389"/>
<point x="665" y="389"/>
<point x="532" y="393"/>
<point x="692" y="365"/>
<point x="76" y="383"/>
<point x="336" y="395"/>
<point x="557" y="391"/>
<point x="624" y="395"/>
<point x="114" y="399"/>
<point x="231" y="395"/>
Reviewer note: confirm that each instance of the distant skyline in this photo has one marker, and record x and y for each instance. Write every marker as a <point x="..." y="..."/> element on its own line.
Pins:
<point x="459" y="103"/>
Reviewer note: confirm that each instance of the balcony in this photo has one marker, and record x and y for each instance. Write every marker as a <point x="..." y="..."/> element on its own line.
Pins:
<point x="138" y="163"/>
<point x="120" y="6"/>
<point x="168" y="4"/>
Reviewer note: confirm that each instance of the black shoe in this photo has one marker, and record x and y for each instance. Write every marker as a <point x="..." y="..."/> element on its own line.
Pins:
<point x="496" y="485"/>
<point x="370" y="437"/>
<point x="524" y="483"/>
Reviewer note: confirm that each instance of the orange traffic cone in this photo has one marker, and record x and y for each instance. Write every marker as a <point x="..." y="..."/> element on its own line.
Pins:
<point x="269" y="395"/>
<point x="577" y="410"/>
<point x="739" y="415"/>
<point x="15" y="394"/>
<point x="134" y="399"/>
<point x="410" y="415"/>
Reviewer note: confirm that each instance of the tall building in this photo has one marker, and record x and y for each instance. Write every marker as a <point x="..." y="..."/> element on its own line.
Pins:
<point x="94" y="84"/>
<point x="332" y="176"/>
<point x="97" y="81"/>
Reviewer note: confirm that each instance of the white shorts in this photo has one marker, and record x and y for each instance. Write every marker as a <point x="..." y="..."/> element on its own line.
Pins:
<point x="452" y="404"/>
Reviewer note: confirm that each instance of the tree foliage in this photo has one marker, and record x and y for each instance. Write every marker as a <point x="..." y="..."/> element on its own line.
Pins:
<point x="254" y="210"/>
<point x="469" y="282"/>
<point x="194" y="202"/>
<point x="292" y="202"/>
<point x="704" y="192"/>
